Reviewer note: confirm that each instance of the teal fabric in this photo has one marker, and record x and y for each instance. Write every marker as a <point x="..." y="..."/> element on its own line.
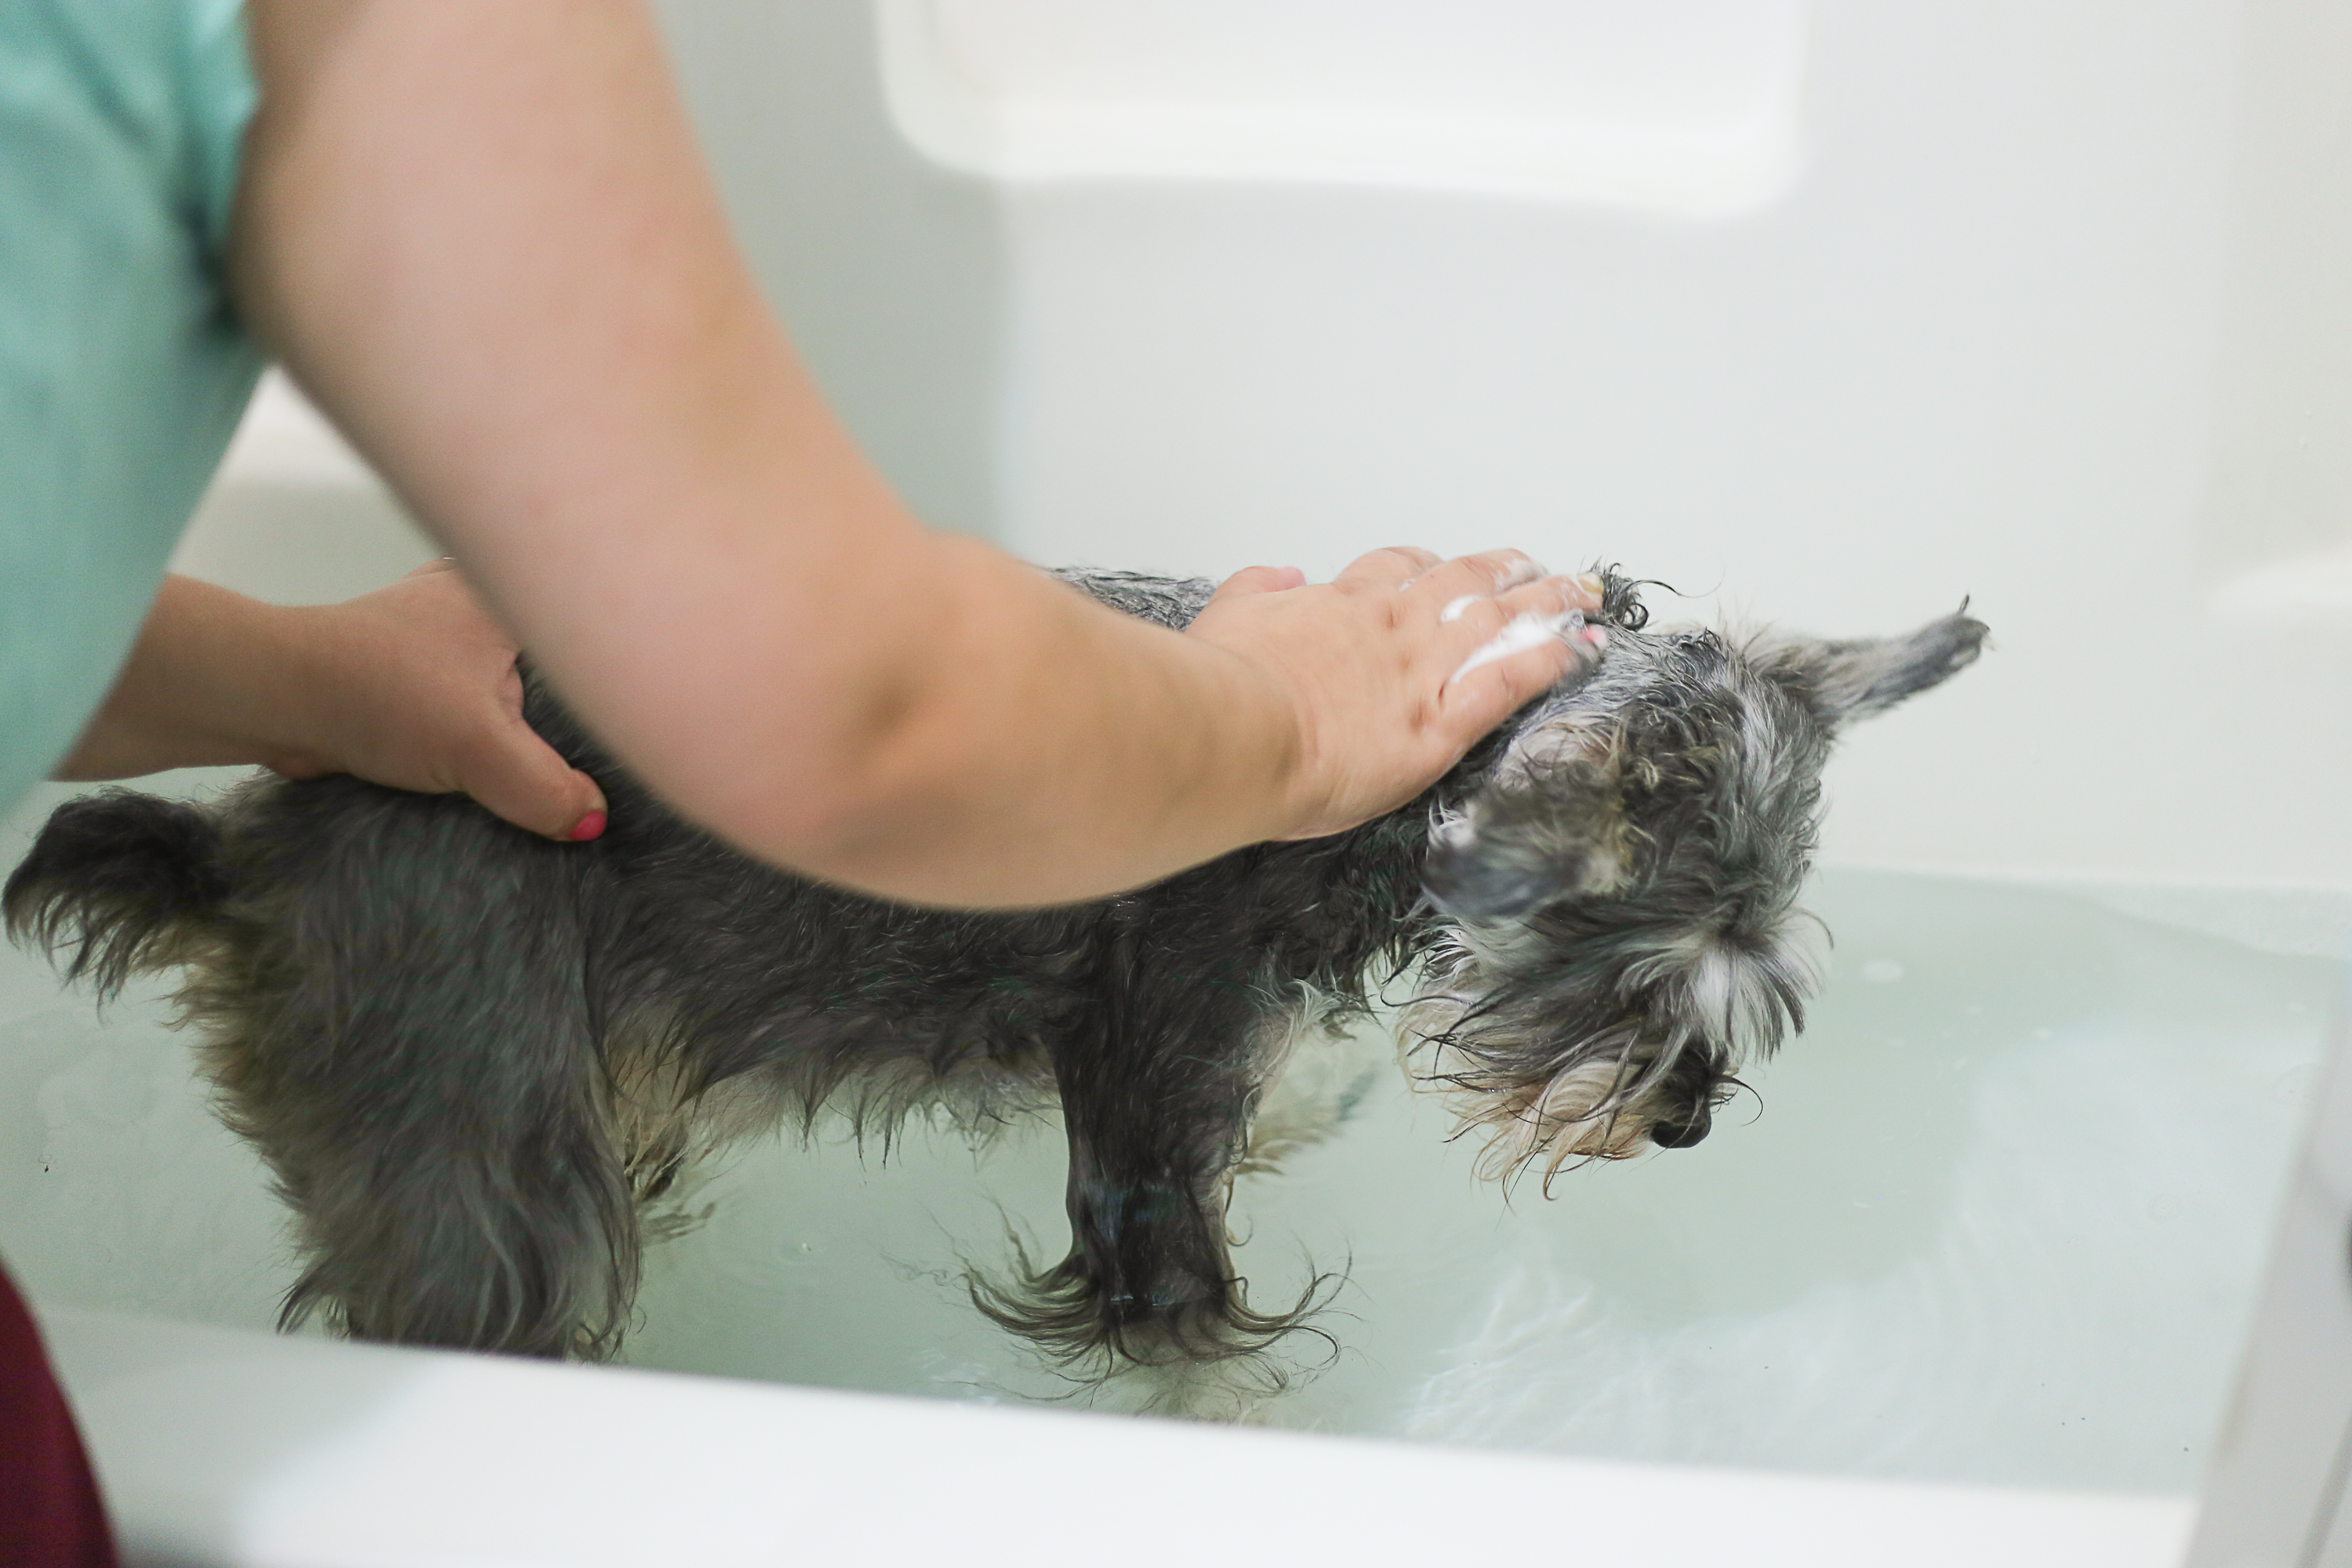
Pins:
<point x="122" y="369"/>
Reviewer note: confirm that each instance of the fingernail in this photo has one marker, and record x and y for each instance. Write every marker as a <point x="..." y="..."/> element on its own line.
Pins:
<point x="589" y="827"/>
<point x="1590" y="583"/>
<point x="1597" y="635"/>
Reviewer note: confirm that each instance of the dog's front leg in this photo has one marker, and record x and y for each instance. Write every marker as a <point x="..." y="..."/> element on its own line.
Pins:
<point x="1157" y="1089"/>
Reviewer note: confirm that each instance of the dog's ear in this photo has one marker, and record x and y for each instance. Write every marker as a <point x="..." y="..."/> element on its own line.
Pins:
<point x="1845" y="681"/>
<point x="1556" y="829"/>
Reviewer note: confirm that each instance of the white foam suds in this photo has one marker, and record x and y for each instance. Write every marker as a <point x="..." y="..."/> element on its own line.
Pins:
<point x="1522" y="633"/>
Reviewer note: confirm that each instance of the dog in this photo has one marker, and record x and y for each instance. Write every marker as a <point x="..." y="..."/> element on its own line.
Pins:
<point x="474" y="1058"/>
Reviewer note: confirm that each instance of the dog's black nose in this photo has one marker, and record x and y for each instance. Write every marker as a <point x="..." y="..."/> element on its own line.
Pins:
<point x="1691" y="1129"/>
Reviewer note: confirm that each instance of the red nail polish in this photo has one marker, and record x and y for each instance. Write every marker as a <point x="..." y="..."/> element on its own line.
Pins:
<point x="589" y="827"/>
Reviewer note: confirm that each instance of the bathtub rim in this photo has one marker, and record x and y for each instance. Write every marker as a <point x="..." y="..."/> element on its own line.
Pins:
<point x="221" y="1445"/>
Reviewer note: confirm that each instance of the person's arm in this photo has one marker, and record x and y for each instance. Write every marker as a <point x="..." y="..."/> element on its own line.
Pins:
<point x="411" y="686"/>
<point x="481" y="237"/>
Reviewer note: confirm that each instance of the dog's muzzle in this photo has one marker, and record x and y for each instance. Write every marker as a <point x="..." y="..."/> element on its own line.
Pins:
<point x="1693" y="1127"/>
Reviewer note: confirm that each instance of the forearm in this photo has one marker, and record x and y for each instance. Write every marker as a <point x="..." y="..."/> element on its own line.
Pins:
<point x="1021" y="745"/>
<point x="214" y="679"/>
<point x="907" y="712"/>
<point x="481" y="236"/>
<point x="1011" y="717"/>
<point x="558" y="358"/>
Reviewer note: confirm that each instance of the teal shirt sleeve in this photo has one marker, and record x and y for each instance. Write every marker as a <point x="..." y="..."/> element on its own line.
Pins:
<point x="122" y="368"/>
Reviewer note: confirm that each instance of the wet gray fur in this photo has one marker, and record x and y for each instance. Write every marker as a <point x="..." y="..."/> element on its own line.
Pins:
<point x="474" y="1059"/>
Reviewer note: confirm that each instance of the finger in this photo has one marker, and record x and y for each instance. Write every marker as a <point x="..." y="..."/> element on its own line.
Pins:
<point x="1471" y="622"/>
<point x="1485" y="693"/>
<point x="1388" y="569"/>
<point x="520" y="777"/>
<point x="1260" y="580"/>
<point x="1549" y="597"/>
<point x="1486" y="574"/>
<point x="1481" y="616"/>
<point x="1531" y="627"/>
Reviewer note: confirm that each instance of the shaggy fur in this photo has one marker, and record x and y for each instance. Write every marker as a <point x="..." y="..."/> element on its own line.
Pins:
<point x="472" y="1058"/>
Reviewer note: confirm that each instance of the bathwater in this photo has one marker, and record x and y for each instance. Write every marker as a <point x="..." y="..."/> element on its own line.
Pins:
<point x="1996" y="1216"/>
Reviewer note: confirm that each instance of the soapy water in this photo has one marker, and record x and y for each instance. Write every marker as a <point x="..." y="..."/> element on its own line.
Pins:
<point x="1997" y="1215"/>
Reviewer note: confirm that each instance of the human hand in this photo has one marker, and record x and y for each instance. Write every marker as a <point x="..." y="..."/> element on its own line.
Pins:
<point x="412" y="686"/>
<point x="415" y="686"/>
<point x="1395" y="668"/>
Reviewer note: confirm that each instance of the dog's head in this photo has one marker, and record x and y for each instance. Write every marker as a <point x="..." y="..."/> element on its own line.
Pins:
<point x="1620" y="884"/>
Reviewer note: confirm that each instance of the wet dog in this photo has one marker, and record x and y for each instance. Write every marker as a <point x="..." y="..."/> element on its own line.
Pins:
<point x="473" y="1057"/>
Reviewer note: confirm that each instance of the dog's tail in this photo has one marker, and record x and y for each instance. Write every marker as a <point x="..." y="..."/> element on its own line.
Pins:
<point x="117" y="884"/>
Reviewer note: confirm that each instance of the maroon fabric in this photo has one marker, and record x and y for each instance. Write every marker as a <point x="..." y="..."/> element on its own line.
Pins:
<point x="50" y="1514"/>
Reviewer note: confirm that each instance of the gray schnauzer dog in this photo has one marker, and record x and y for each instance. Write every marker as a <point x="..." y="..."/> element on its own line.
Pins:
<point x="473" y="1057"/>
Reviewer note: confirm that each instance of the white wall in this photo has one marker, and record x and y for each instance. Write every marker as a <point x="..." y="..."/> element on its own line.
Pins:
<point x="2024" y="328"/>
<point x="2054" y="316"/>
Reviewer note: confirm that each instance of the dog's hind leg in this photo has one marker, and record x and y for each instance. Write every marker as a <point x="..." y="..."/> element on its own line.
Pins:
<point x="407" y="1032"/>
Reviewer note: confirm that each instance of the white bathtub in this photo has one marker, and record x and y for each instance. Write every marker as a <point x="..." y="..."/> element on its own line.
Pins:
<point x="2038" y="304"/>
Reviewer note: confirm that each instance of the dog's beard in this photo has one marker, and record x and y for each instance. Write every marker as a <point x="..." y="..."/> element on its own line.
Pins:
<point x="1552" y="1069"/>
<point x="1592" y="1100"/>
